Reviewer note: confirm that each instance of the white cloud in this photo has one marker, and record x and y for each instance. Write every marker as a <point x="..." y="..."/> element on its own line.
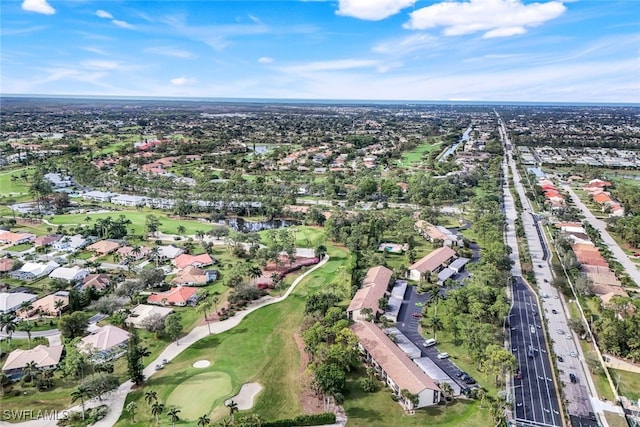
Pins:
<point x="265" y="60"/>
<point x="170" y="51"/>
<point x="100" y="65"/>
<point x="95" y="50"/>
<point x="38" y="6"/>
<point x="333" y="65"/>
<point x="372" y="10"/>
<point x="182" y="81"/>
<point x="406" y="45"/>
<point x="255" y="19"/>
<point x="103" y="14"/>
<point x="121" y="24"/>
<point x="497" y="18"/>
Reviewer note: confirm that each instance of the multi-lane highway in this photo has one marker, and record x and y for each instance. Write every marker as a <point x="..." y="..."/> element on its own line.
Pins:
<point x="578" y="388"/>
<point x="535" y="396"/>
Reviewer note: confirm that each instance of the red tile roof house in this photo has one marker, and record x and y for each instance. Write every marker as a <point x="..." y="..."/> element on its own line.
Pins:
<point x="396" y="369"/>
<point x="47" y="240"/>
<point x="185" y="260"/>
<point x="179" y="296"/>
<point x="6" y="265"/>
<point x="434" y="262"/>
<point x="97" y="281"/>
<point x="103" y="247"/>
<point x="12" y="238"/>
<point x="374" y="287"/>
<point x="194" y="276"/>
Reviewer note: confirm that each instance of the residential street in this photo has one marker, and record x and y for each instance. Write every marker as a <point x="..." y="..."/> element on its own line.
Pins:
<point x="618" y="253"/>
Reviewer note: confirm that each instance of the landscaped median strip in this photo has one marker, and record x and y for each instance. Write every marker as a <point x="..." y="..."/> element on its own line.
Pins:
<point x="116" y="400"/>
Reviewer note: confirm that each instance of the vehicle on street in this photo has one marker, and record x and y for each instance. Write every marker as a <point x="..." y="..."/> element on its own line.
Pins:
<point x="468" y="379"/>
<point x="443" y="355"/>
<point x="573" y="354"/>
<point x="165" y="361"/>
<point x="554" y="311"/>
<point x="560" y="359"/>
<point x="158" y="367"/>
<point x="417" y="315"/>
<point x="459" y="374"/>
<point x="573" y="378"/>
<point x="530" y="351"/>
<point x="429" y="342"/>
<point x="560" y="331"/>
<point x="532" y="329"/>
<point x="519" y="375"/>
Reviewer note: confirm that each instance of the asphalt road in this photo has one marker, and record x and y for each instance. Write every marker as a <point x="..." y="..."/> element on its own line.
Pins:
<point x="554" y="312"/>
<point x="535" y="396"/>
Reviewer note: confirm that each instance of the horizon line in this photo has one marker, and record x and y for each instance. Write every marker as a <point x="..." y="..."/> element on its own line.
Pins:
<point x="260" y="100"/>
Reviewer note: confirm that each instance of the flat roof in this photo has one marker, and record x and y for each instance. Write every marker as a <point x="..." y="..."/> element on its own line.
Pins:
<point x="429" y="367"/>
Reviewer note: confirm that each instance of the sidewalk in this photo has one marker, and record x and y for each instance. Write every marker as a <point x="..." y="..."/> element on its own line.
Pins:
<point x="116" y="399"/>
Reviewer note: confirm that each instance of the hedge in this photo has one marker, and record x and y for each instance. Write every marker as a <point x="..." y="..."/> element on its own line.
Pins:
<point x="304" y="420"/>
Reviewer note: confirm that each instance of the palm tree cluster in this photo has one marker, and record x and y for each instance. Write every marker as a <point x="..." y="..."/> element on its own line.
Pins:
<point x="157" y="408"/>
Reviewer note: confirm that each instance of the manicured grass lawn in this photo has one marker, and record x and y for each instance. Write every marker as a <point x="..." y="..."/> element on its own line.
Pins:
<point x="379" y="410"/>
<point x="17" y="188"/>
<point x="20" y="248"/>
<point x="413" y="157"/>
<point x="168" y="225"/>
<point x="629" y="383"/>
<point x="600" y="379"/>
<point x="200" y="394"/>
<point x="261" y="349"/>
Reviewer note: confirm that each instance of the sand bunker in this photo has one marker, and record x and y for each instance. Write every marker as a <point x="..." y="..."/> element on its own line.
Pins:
<point x="245" y="396"/>
<point x="202" y="364"/>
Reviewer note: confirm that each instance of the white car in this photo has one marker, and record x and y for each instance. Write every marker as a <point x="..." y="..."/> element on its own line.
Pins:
<point x="443" y="355"/>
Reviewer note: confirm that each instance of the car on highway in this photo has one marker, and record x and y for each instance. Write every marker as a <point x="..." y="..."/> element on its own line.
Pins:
<point x="418" y="315"/>
<point x="519" y="375"/>
<point x="554" y="311"/>
<point x="443" y="355"/>
<point x="573" y="378"/>
<point x="573" y="354"/>
<point x="560" y="359"/>
<point x="560" y="331"/>
<point x="532" y="329"/>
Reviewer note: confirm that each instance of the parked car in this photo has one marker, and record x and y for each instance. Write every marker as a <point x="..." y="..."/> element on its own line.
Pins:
<point x="429" y="342"/>
<point x="158" y="367"/>
<point x="417" y="314"/>
<point x="573" y="378"/>
<point x="443" y="355"/>
<point x="164" y="361"/>
<point x="460" y="374"/>
<point x="560" y="359"/>
<point x="554" y="311"/>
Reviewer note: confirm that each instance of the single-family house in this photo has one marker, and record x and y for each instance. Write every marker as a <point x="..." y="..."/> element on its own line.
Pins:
<point x="433" y="263"/>
<point x="374" y="287"/>
<point x="169" y="252"/>
<point x="43" y="356"/>
<point x="194" y="276"/>
<point x="104" y="247"/>
<point x="11" y="238"/>
<point x="185" y="260"/>
<point x="70" y="243"/>
<point x="34" y="270"/>
<point x="69" y="274"/>
<point x="142" y="312"/>
<point x="394" y="366"/>
<point x="97" y="281"/>
<point x="47" y="240"/>
<point x="179" y="296"/>
<point x="106" y="343"/>
<point x="48" y="305"/>
<point x="6" y="264"/>
<point x="11" y="301"/>
<point x="437" y="233"/>
<point x="134" y="253"/>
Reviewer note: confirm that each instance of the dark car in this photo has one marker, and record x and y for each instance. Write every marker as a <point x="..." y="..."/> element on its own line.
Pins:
<point x="573" y="378"/>
<point x="554" y="311"/>
<point x="560" y="359"/>
<point x="417" y="314"/>
<point x="459" y="374"/>
<point x="469" y="380"/>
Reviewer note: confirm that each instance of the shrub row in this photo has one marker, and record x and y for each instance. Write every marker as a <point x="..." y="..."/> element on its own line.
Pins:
<point x="304" y="420"/>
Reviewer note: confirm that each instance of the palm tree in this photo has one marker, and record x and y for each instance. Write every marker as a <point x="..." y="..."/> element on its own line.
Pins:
<point x="144" y="352"/>
<point x="181" y="230"/>
<point x="435" y="323"/>
<point x="447" y="390"/>
<point x="226" y="422"/>
<point x="132" y="407"/>
<point x="233" y="408"/>
<point x="254" y="272"/>
<point x="205" y="307"/>
<point x="434" y="297"/>
<point x="81" y="393"/>
<point x="155" y="254"/>
<point x="173" y="415"/>
<point x="136" y="251"/>
<point x="26" y="308"/>
<point x="27" y="328"/>
<point x="150" y="396"/>
<point x="203" y="421"/>
<point x="30" y="370"/>
<point x="156" y="409"/>
<point x="367" y="313"/>
<point x="10" y="327"/>
<point x="58" y="304"/>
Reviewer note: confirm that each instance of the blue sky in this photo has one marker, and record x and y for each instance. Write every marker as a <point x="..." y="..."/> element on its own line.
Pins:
<point x="484" y="50"/>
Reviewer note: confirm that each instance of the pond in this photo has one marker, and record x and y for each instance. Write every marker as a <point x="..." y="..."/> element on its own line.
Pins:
<point x="240" y="224"/>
